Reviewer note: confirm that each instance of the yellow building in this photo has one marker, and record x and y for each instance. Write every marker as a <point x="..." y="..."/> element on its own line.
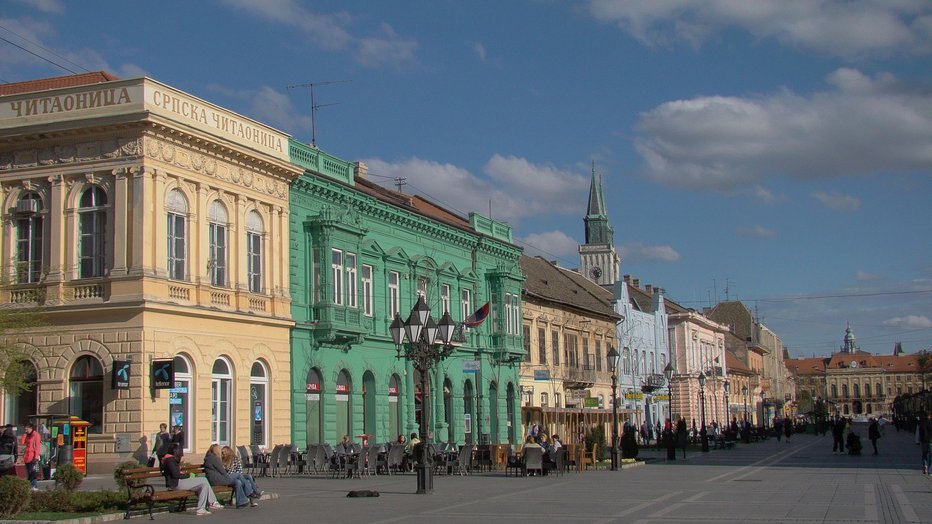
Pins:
<point x="152" y="227"/>
<point x="569" y="327"/>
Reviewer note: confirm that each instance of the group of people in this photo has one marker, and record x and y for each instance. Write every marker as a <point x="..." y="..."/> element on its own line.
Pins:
<point x="30" y="446"/>
<point x="222" y="467"/>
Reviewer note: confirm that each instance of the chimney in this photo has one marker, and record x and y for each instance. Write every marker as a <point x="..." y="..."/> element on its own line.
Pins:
<point x="627" y="279"/>
<point x="361" y="170"/>
<point x="636" y="282"/>
<point x="649" y="288"/>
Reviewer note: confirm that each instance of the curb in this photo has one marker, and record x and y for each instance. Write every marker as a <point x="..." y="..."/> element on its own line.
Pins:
<point x="107" y="517"/>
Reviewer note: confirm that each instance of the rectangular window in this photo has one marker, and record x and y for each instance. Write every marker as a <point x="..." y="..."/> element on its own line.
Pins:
<point x="526" y="332"/>
<point x="317" y="264"/>
<point x="555" y="347"/>
<point x="444" y="298"/>
<point x="466" y="302"/>
<point x="367" y="290"/>
<point x="542" y="345"/>
<point x="176" y="246"/>
<point x="92" y="243"/>
<point x="29" y="250"/>
<point x="351" y="295"/>
<point x="394" y="305"/>
<point x="598" y="356"/>
<point x="587" y="358"/>
<point x="218" y="254"/>
<point x="569" y="351"/>
<point x="422" y="287"/>
<point x="336" y="269"/>
<point x="254" y="262"/>
<point x="512" y="314"/>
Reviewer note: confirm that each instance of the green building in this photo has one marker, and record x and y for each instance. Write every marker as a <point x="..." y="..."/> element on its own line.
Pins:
<point x="359" y="254"/>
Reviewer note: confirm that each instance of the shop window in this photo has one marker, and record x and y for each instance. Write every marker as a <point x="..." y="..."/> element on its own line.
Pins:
<point x="259" y="399"/>
<point x="179" y="399"/>
<point x="221" y="393"/>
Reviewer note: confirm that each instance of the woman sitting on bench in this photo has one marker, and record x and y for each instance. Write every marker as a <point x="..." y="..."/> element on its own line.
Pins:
<point x="175" y="479"/>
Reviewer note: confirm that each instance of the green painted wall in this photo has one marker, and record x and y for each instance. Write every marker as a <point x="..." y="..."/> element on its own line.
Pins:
<point x="327" y="212"/>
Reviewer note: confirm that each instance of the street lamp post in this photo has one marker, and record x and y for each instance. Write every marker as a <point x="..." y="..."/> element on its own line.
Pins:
<point x="763" y="413"/>
<point x="726" y="386"/>
<point x="703" y="435"/>
<point x="428" y="344"/>
<point x="613" y="358"/>
<point x="747" y="434"/>
<point x="668" y="373"/>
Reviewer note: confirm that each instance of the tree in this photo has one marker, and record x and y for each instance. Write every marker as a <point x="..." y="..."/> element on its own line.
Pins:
<point x="14" y="357"/>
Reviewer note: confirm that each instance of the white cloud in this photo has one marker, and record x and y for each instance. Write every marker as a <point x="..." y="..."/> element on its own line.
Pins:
<point x="550" y="245"/>
<point x="46" y="6"/>
<point x="756" y="231"/>
<point x="331" y="31"/>
<point x="846" y="28"/>
<point x="386" y="49"/>
<point x="640" y="252"/>
<point x="517" y="188"/>
<point x="864" y="276"/>
<point x="859" y="125"/>
<point x="909" y="322"/>
<point x="479" y="49"/>
<point x="766" y="196"/>
<point x="268" y="106"/>
<point x="837" y="201"/>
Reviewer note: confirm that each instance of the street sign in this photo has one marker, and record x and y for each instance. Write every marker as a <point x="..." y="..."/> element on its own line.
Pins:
<point x="471" y="366"/>
<point x="541" y="374"/>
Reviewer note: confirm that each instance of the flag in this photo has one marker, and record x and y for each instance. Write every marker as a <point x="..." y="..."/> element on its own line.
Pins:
<point x="477" y="318"/>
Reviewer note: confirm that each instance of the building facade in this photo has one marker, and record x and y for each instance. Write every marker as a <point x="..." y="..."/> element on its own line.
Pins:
<point x="852" y="382"/>
<point x="361" y="254"/>
<point x="152" y="228"/>
<point x="698" y="347"/>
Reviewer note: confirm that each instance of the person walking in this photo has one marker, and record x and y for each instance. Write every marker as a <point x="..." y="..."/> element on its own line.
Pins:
<point x="160" y="444"/>
<point x="788" y="428"/>
<point x="924" y="439"/>
<point x="30" y="443"/>
<point x="873" y="433"/>
<point x="669" y="439"/>
<point x="176" y="479"/>
<point x="682" y="435"/>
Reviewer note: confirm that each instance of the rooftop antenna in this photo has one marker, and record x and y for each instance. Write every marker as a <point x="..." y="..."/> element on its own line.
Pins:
<point x="401" y="181"/>
<point x="314" y="105"/>
<point x="727" y="284"/>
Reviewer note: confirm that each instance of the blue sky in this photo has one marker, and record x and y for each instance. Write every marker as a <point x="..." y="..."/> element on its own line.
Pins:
<point x="779" y="148"/>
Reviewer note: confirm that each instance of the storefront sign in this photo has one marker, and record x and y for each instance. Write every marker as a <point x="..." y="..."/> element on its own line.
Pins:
<point x="342" y="388"/>
<point x="634" y="396"/>
<point x="393" y="391"/>
<point x="471" y="366"/>
<point x="163" y="374"/>
<point x="541" y="374"/>
<point x="119" y="375"/>
<point x="312" y="396"/>
<point x="312" y="388"/>
<point x="590" y="402"/>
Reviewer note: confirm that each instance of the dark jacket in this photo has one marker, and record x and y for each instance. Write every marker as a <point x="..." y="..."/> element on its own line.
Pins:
<point x="8" y="444"/>
<point x="873" y="431"/>
<point x="171" y="470"/>
<point x="216" y="473"/>
<point x="162" y="441"/>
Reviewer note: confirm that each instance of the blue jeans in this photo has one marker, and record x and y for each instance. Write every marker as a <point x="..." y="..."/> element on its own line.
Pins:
<point x="927" y="456"/>
<point x="243" y="487"/>
<point x="32" y="473"/>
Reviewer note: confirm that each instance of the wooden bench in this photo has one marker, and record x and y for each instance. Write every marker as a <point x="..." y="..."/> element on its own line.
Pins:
<point x="141" y="490"/>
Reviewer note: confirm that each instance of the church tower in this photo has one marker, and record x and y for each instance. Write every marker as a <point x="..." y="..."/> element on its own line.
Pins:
<point x="599" y="261"/>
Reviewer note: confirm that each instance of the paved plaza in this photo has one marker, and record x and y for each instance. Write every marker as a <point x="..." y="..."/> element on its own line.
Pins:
<point x="767" y="481"/>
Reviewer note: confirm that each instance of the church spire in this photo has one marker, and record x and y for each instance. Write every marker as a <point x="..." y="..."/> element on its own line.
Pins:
<point x="596" y="201"/>
<point x="598" y="259"/>
<point x="598" y="230"/>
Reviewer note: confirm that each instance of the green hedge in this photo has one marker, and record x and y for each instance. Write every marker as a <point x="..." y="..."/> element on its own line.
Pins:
<point x="15" y="494"/>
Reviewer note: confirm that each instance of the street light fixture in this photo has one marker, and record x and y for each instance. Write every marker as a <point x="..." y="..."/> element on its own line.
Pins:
<point x="668" y="373"/>
<point x="702" y="432"/>
<point x="428" y="344"/>
<point x="726" y="387"/>
<point x="613" y="358"/>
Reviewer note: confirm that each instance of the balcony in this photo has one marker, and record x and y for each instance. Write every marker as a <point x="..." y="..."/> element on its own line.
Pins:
<point x="340" y="325"/>
<point x="578" y="378"/>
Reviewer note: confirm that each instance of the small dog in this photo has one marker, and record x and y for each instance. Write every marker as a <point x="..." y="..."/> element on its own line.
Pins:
<point x="363" y="493"/>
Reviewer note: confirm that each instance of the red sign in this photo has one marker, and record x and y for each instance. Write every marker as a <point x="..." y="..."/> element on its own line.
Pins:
<point x="392" y="390"/>
<point x="342" y="388"/>
<point x="313" y="388"/>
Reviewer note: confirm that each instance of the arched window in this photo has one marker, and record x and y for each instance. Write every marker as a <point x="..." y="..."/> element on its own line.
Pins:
<point x="448" y="407"/>
<point x="368" y="404"/>
<point x="510" y="399"/>
<point x="834" y="391"/>
<point x="92" y="230"/>
<point x="857" y="391"/>
<point x="179" y="399"/>
<point x="259" y="396"/>
<point x="21" y="405"/>
<point x="601" y="401"/>
<point x="217" y="220"/>
<point x="493" y="414"/>
<point x="544" y="400"/>
<point x="314" y="426"/>
<point x="221" y="394"/>
<point x="468" y="410"/>
<point x="844" y="391"/>
<point x="867" y="389"/>
<point x="344" y="409"/>
<point x="254" y="233"/>
<point x="87" y="392"/>
<point x="176" y="206"/>
<point x="28" y="239"/>
<point x="557" y="400"/>
<point x="394" y="407"/>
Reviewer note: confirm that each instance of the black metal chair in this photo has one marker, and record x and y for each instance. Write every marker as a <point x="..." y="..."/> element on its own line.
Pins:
<point x="513" y="463"/>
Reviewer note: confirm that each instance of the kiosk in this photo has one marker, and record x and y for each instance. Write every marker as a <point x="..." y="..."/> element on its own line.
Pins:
<point x="64" y="438"/>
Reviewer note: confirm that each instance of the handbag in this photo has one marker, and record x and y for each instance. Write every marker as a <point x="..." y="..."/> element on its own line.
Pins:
<point x="7" y="461"/>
